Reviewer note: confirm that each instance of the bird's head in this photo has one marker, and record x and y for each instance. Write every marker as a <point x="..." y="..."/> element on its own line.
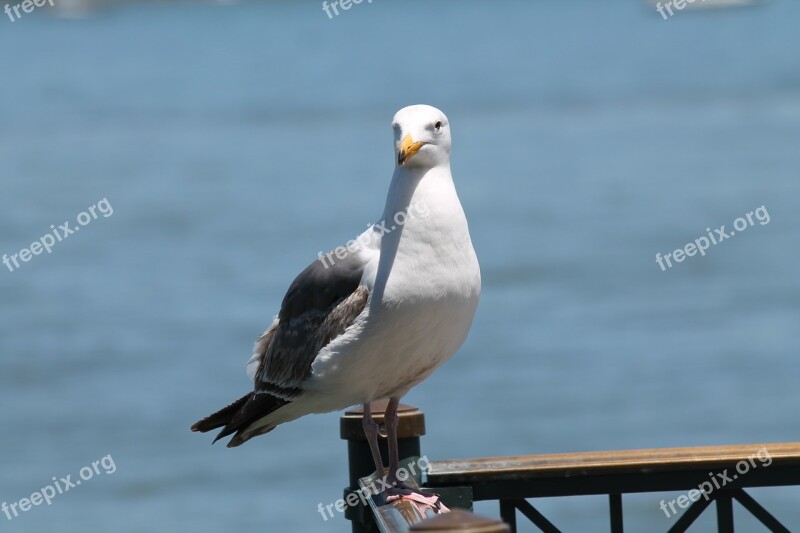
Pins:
<point x="421" y="136"/>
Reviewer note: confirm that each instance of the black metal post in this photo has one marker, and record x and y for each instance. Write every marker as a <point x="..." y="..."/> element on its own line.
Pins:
<point x="615" y="510"/>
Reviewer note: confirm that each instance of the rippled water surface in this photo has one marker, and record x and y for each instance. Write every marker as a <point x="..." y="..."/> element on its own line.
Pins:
<point x="234" y="142"/>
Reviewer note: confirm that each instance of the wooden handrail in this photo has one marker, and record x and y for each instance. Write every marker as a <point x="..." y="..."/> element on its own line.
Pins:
<point x="609" y="462"/>
<point x="709" y="474"/>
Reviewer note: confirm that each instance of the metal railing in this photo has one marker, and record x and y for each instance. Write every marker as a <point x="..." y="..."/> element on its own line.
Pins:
<point x="713" y="474"/>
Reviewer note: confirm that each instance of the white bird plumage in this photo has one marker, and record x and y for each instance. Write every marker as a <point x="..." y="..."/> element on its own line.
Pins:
<point x="411" y="308"/>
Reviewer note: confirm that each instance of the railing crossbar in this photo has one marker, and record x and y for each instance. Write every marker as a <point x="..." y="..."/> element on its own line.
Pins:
<point x="689" y="516"/>
<point x="533" y="514"/>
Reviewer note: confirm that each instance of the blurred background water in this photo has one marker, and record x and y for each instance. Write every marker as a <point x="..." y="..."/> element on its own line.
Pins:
<point x="236" y="141"/>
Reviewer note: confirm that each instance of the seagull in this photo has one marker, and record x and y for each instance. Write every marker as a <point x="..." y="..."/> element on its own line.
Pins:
<point x="372" y="319"/>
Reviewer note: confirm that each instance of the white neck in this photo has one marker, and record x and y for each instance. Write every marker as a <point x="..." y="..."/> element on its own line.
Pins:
<point x="417" y="184"/>
<point x="428" y="200"/>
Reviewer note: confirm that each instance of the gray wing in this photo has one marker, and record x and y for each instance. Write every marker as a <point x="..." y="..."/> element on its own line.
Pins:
<point x="321" y="303"/>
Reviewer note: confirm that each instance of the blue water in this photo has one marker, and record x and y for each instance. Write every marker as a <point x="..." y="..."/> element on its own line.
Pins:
<point x="235" y="142"/>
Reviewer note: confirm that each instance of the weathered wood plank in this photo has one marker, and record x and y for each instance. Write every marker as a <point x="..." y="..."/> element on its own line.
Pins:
<point x="618" y="462"/>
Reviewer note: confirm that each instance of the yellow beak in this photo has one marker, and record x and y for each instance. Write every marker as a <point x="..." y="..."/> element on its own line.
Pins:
<point x="407" y="149"/>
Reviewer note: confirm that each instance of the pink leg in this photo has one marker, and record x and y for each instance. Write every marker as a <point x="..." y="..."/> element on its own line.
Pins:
<point x="398" y="487"/>
<point x="371" y="432"/>
<point x="391" y="420"/>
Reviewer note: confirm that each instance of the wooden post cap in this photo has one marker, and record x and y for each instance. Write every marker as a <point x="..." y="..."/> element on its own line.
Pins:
<point x="411" y="424"/>
<point x="460" y="521"/>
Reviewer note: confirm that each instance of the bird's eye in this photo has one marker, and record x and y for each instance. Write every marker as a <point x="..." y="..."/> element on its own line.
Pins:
<point x="438" y="125"/>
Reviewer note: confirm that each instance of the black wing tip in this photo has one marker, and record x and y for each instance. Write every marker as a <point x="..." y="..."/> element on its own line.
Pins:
<point x="243" y="436"/>
<point x="202" y="426"/>
<point x="222" y="417"/>
<point x="237" y="418"/>
<point x="236" y="441"/>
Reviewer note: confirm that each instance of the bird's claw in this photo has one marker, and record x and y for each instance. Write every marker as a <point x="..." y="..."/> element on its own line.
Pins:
<point x="398" y="488"/>
<point x="420" y="499"/>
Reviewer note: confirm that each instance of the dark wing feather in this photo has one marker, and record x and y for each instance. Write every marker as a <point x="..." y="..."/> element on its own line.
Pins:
<point x="221" y="417"/>
<point x="257" y="407"/>
<point x="319" y="306"/>
<point x="320" y="285"/>
<point x="321" y="303"/>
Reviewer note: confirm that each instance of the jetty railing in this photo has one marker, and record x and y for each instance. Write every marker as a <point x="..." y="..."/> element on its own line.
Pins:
<point x="713" y="474"/>
<point x="705" y="475"/>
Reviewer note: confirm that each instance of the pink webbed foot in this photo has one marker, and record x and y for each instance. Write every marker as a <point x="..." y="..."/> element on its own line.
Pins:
<point x="423" y="501"/>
